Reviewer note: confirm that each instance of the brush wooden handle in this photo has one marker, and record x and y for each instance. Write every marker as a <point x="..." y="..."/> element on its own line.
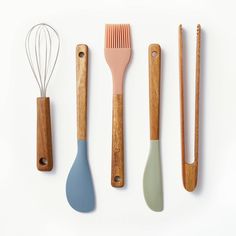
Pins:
<point x="117" y="176"/>
<point x="81" y="89"/>
<point x="44" y="136"/>
<point x="154" y="55"/>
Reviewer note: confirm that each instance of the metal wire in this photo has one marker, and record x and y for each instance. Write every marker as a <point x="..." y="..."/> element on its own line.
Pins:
<point x="42" y="45"/>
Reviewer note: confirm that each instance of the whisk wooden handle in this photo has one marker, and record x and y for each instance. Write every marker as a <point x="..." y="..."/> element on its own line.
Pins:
<point x="44" y="136"/>
<point x="117" y="175"/>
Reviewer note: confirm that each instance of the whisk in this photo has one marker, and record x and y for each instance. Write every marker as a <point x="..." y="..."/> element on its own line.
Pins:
<point x="42" y="46"/>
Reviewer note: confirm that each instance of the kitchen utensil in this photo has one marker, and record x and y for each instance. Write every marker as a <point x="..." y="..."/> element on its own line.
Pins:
<point x="152" y="179"/>
<point x="42" y="48"/>
<point x="189" y="171"/>
<point x="117" y="54"/>
<point x="79" y="185"/>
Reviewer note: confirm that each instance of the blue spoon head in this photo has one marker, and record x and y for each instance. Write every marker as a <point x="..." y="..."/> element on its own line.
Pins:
<point x="79" y="184"/>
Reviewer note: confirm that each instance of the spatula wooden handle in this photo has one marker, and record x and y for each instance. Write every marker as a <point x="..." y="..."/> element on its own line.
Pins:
<point x="81" y="89"/>
<point x="44" y="136"/>
<point x="154" y="89"/>
<point x="117" y="176"/>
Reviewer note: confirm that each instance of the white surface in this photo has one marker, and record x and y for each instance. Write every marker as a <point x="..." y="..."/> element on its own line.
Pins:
<point x="34" y="203"/>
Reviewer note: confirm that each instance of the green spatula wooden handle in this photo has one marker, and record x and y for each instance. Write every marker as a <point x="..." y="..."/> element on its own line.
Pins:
<point x="154" y="89"/>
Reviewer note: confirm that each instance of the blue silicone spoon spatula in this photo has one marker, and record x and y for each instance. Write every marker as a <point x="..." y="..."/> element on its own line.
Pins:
<point x="79" y="186"/>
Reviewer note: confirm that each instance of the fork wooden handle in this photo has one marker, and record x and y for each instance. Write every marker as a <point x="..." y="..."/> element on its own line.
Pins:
<point x="44" y="136"/>
<point x="117" y="175"/>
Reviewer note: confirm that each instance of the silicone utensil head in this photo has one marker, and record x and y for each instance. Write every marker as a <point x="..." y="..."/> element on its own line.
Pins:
<point x="117" y="52"/>
<point x="79" y="185"/>
<point x="152" y="180"/>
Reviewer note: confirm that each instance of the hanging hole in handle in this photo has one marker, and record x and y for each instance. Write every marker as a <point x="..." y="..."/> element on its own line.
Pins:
<point x="81" y="54"/>
<point x="154" y="54"/>
<point x="43" y="161"/>
<point x="117" y="178"/>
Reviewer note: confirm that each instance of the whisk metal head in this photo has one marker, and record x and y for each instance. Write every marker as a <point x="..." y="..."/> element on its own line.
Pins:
<point x="42" y="46"/>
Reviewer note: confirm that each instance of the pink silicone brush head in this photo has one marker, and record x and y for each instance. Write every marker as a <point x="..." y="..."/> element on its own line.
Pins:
<point x="117" y="52"/>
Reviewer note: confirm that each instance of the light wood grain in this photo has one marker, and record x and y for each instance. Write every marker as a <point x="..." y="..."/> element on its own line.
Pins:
<point x="117" y="175"/>
<point x="189" y="171"/>
<point x="154" y="55"/>
<point x="44" y="136"/>
<point x="81" y="88"/>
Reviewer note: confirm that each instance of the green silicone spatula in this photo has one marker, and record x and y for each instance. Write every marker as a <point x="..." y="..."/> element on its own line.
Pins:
<point x="152" y="179"/>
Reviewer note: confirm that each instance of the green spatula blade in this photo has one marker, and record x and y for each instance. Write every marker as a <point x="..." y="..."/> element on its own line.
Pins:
<point x="152" y="179"/>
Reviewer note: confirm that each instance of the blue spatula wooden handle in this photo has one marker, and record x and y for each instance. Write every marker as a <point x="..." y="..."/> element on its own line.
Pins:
<point x="81" y="88"/>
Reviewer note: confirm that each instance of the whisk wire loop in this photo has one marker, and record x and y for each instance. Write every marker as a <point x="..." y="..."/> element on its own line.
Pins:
<point x="42" y="46"/>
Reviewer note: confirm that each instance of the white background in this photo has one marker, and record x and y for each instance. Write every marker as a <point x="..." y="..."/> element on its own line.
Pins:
<point x="34" y="203"/>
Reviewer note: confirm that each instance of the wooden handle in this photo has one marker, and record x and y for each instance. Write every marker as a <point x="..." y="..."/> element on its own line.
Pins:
<point x="44" y="136"/>
<point x="117" y="176"/>
<point x="81" y="85"/>
<point x="189" y="171"/>
<point x="154" y="55"/>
